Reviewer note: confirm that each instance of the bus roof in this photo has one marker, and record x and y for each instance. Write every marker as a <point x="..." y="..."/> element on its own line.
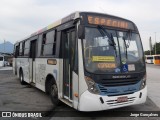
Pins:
<point x="156" y="55"/>
<point x="148" y="55"/>
<point x="70" y="17"/>
<point x="152" y="55"/>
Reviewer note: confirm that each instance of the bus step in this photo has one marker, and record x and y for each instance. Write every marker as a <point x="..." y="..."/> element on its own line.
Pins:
<point x="66" y="102"/>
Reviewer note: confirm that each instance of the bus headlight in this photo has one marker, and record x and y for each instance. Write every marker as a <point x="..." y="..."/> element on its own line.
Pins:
<point x="143" y="84"/>
<point x="92" y="87"/>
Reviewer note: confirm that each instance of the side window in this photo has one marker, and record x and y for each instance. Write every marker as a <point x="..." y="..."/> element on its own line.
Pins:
<point x="26" y="48"/>
<point x="43" y="43"/>
<point x="16" y="50"/>
<point x="54" y="44"/>
<point x="48" y="44"/>
<point x="20" y="49"/>
<point x="23" y="48"/>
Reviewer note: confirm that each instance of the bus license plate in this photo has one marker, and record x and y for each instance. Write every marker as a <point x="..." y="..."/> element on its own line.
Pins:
<point x="122" y="99"/>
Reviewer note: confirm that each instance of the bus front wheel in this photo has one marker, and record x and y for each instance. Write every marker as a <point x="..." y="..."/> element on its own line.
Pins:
<point x="53" y="91"/>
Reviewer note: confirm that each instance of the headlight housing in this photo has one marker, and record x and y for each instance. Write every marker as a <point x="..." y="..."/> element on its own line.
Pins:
<point x="92" y="87"/>
<point x="143" y="84"/>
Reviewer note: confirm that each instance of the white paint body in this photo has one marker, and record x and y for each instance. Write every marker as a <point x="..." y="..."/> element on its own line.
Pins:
<point x="36" y="72"/>
<point x="85" y="101"/>
<point x="91" y="102"/>
<point x="2" y="61"/>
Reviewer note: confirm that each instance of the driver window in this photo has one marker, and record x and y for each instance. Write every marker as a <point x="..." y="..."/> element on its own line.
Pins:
<point x="132" y="48"/>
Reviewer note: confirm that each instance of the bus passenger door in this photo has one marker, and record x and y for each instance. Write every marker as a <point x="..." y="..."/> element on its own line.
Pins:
<point x="67" y="38"/>
<point x="32" y="64"/>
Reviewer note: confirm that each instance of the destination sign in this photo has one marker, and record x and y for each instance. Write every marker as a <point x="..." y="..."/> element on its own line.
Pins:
<point x="107" y="21"/>
<point x="106" y="65"/>
<point x="103" y="58"/>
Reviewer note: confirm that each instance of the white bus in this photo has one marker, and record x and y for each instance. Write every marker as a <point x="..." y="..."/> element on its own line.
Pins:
<point x="149" y="59"/>
<point x="90" y="61"/>
<point x="2" y="61"/>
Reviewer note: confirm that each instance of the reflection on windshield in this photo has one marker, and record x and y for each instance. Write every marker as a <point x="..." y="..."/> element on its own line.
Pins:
<point x="133" y="46"/>
<point x="98" y="53"/>
<point x="101" y="57"/>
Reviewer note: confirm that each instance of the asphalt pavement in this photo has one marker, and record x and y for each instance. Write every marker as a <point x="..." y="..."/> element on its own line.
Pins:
<point x="16" y="97"/>
<point x="5" y="68"/>
<point x="153" y="83"/>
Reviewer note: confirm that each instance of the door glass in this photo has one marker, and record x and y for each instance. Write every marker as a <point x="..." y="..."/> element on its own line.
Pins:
<point x="32" y="60"/>
<point x="69" y="48"/>
<point x="72" y="53"/>
<point x="66" y="65"/>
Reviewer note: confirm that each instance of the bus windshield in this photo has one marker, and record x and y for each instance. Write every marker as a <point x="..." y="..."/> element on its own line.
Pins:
<point x="101" y="56"/>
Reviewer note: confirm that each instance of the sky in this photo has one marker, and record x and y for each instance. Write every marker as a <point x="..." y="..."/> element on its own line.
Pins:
<point x="20" y="18"/>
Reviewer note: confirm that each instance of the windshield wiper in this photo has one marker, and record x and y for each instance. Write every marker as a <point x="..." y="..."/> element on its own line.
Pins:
<point x="125" y="47"/>
<point x="105" y="33"/>
<point x="128" y="35"/>
<point x="114" y="44"/>
<point x="110" y="37"/>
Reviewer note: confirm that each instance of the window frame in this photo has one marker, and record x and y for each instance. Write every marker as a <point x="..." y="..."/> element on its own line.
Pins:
<point x="53" y="43"/>
<point x="21" y="48"/>
<point x="27" y="48"/>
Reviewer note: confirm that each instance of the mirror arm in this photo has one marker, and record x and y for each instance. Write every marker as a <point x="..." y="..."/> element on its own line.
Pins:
<point x="81" y="32"/>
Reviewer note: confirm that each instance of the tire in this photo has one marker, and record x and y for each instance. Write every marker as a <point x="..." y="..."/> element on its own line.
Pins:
<point x="21" y="78"/>
<point x="53" y="92"/>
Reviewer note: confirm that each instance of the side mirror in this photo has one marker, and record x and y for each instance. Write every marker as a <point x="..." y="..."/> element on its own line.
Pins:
<point x="81" y="32"/>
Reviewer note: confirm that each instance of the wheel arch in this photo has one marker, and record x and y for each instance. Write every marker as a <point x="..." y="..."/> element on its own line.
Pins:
<point x="48" y="78"/>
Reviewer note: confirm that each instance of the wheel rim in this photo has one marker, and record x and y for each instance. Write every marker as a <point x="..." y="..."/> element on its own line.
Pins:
<point x="54" y="91"/>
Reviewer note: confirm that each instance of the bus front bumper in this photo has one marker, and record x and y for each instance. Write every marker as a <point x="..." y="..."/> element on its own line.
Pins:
<point x="93" y="102"/>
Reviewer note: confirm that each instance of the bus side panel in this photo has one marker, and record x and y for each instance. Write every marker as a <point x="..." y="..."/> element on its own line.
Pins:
<point x="18" y="65"/>
<point x="25" y="67"/>
<point x="53" y="70"/>
<point x="156" y="60"/>
<point x="2" y="61"/>
<point x="14" y="66"/>
<point x="60" y="87"/>
<point x="41" y="73"/>
<point x="75" y="84"/>
<point x="150" y="61"/>
<point x="43" y="69"/>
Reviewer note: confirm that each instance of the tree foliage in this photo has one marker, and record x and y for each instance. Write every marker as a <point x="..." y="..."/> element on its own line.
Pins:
<point x="153" y="50"/>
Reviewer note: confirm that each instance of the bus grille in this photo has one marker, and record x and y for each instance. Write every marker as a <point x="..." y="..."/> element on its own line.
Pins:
<point x="118" y="82"/>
